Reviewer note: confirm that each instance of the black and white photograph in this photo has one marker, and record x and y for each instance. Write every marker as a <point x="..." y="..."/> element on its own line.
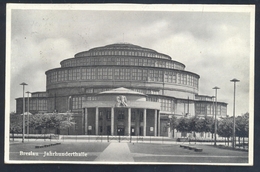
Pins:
<point x="129" y="84"/>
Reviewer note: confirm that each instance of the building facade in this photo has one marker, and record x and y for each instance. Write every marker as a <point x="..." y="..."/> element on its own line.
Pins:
<point x="89" y="83"/>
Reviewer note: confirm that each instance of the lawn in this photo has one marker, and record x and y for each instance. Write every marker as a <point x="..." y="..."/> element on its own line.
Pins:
<point x="174" y="153"/>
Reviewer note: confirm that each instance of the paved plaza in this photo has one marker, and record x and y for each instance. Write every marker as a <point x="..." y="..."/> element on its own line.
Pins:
<point x="123" y="152"/>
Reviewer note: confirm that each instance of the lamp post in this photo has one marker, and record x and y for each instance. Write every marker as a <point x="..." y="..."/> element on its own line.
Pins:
<point x="234" y="119"/>
<point x="215" y="133"/>
<point x="23" y="84"/>
<point x="28" y="111"/>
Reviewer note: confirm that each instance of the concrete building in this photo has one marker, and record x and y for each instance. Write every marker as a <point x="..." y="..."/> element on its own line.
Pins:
<point x="122" y="89"/>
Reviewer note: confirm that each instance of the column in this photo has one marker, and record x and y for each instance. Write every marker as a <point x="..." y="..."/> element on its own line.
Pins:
<point x="97" y="121"/>
<point x="85" y="121"/>
<point x="159" y="124"/>
<point x="155" y="122"/>
<point x="112" y="121"/>
<point x="129" y="121"/>
<point x="144" y="122"/>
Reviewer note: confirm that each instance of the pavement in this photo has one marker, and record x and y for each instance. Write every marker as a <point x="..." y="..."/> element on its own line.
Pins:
<point x="116" y="152"/>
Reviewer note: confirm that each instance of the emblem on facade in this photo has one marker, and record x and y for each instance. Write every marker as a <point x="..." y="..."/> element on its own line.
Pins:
<point x="121" y="101"/>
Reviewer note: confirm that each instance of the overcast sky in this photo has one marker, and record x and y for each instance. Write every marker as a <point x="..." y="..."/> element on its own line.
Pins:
<point x="215" y="45"/>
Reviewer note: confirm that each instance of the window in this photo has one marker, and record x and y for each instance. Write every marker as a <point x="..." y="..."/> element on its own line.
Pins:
<point x="134" y="74"/>
<point x="33" y="104"/>
<point x="145" y="63"/>
<point x="78" y="74"/>
<point x="70" y="75"/>
<point x="166" y="104"/>
<point x="156" y="75"/>
<point x="127" y="74"/>
<point x="151" y="75"/>
<point x="133" y="116"/>
<point x="100" y="115"/>
<point x="108" y="115"/>
<point x="140" y="62"/>
<point x="126" y="61"/>
<point x="141" y="116"/>
<point x="100" y="73"/>
<point x="83" y="74"/>
<point x="116" y="73"/>
<point x="145" y="75"/>
<point x="132" y="62"/>
<point x="76" y="102"/>
<point x="139" y="74"/>
<point x="100" y="129"/>
<point x="42" y="105"/>
<point x="136" y="62"/>
<point x="121" y="115"/>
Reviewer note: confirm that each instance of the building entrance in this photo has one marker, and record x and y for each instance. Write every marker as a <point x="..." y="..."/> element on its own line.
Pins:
<point x="120" y="130"/>
<point x="108" y="130"/>
<point x="132" y="131"/>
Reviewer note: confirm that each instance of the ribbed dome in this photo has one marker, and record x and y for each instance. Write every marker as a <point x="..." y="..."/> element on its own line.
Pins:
<point x="121" y="47"/>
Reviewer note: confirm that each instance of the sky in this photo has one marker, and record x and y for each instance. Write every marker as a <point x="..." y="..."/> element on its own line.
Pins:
<point x="215" y="45"/>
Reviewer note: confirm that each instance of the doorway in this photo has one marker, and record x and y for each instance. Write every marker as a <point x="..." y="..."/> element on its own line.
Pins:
<point x="109" y="130"/>
<point x="120" y="130"/>
<point x="132" y="131"/>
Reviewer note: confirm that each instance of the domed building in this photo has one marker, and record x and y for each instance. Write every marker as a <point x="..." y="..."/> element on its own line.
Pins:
<point x="122" y="89"/>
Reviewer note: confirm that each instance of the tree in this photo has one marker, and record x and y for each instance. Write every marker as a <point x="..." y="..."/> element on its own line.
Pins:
<point x="16" y="123"/>
<point x="225" y="127"/>
<point x="242" y="124"/>
<point x="51" y="120"/>
<point x="173" y="122"/>
<point x="183" y="125"/>
<point x="67" y="122"/>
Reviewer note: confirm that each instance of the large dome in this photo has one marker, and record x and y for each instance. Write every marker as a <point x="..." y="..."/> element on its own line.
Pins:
<point x="122" y="49"/>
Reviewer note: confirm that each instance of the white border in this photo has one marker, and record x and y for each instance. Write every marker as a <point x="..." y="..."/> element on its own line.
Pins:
<point x="131" y="7"/>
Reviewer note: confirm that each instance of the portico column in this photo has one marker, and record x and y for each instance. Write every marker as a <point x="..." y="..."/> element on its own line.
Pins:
<point x="155" y="122"/>
<point x="112" y="121"/>
<point x="96" y="120"/>
<point x="86" y="121"/>
<point x="129" y="121"/>
<point x="159" y="124"/>
<point x="144" y="122"/>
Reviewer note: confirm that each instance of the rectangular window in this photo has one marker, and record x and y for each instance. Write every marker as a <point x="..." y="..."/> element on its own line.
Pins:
<point x="118" y="61"/>
<point x="151" y="75"/>
<point x="93" y="74"/>
<point x="74" y="74"/>
<point x="83" y="74"/>
<point x="132" y="62"/>
<point x="126" y="61"/>
<point x="134" y="74"/>
<point x="121" y="74"/>
<point x="108" y="115"/>
<point x="78" y="74"/>
<point x="70" y="75"/>
<point x="116" y="74"/>
<point x="156" y="75"/>
<point x="100" y="74"/>
<point x="139" y="74"/>
<point x="121" y="115"/>
<point x="122" y="61"/>
<point x="140" y="62"/>
<point x="133" y="116"/>
<point x="100" y="115"/>
<point x="184" y="79"/>
<point x="145" y="75"/>
<point x="136" y="62"/>
<point x="109" y="74"/>
<point x="141" y="116"/>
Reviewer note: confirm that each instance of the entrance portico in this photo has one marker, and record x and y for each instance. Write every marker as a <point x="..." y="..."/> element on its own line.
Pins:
<point x="121" y="112"/>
